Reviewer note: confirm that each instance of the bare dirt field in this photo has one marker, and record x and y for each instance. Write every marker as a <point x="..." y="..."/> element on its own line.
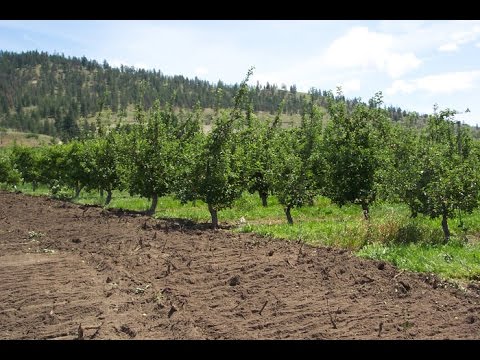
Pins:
<point x="69" y="272"/>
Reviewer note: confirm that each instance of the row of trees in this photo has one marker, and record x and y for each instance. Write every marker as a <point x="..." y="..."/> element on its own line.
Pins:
<point x="359" y="156"/>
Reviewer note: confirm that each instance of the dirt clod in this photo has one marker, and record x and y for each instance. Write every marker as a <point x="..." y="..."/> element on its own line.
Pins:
<point x="471" y="319"/>
<point x="127" y="330"/>
<point x="171" y="311"/>
<point x="234" y="280"/>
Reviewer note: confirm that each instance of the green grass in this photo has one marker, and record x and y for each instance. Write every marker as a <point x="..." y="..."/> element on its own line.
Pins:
<point x="454" y="260"/>
<point x="332" y="233"/>
<point x="390" y="235"/>
<point x="42" y="190"/>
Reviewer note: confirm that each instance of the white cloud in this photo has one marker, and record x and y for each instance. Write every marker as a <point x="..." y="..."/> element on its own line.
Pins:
<point x="350" y="86"/>
<point x="421" y="37"/>
<point x="201" y="71"/>
<point x="446" y="83"/>
<point x="142" y="65"/>
<point x="477" y="44"/>
<point x="190" y="46"/>
<point x="462" y="37"/>
<point x="448" y="47"/>
<point x="364" y="49"/>
<point x="117" y="63"/>
<point x="399" y="64"/>
<point x="400" y="86"/>
<point x="358" y="47"/>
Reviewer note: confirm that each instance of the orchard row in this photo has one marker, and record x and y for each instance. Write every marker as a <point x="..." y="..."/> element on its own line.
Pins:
<point x="348" y="155"/>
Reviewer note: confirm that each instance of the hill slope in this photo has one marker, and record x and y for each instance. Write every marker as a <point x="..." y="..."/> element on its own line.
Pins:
<point x="53" y="94"/>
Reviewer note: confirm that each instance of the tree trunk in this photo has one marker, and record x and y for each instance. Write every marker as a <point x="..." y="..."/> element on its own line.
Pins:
<point x="78" y="188"/>
<point x="264" y="196"/>
<point x="101" y="193"/>
<point x="34" y="186"/>
<point x="153" y="207"/>
<point x="289" y="216"/>
<point x="446" y="231"/>
<point x="213" y="213"/>
<point x="109" y="197"/>
<point x="366" y="210"/>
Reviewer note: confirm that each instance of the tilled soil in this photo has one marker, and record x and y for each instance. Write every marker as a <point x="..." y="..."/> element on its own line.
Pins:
<point x="69" y="272"/>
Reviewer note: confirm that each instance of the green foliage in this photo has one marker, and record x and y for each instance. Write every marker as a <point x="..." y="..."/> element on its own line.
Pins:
<point x="397" y="165"/>
<point x="51" y="165"/>
<point x="78" y="166"/>
<point x="190" y="152"/>
<point x="219" y="178"/>
<point x="287" y="163"/>
<point x="311" y="147"/>
<point x="27" y="161"/>
<point x="353" y="150"/>
<point x="103" y="174"/>
<point x="102" y="153"/>
<point x="60" y="192"/>
<point x="147" y="156"/>
<point x="291" y="180"/>
<point x="8" y="174"/>
<point x="255" y="148"/>
<point x="218" y="170"/>
<point x="445" y="177"/>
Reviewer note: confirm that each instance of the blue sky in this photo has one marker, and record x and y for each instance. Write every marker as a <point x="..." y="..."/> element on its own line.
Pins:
<point x="414" y="63"/>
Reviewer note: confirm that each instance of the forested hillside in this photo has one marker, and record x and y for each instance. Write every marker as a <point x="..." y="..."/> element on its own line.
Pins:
<point x="55" y="95"/>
